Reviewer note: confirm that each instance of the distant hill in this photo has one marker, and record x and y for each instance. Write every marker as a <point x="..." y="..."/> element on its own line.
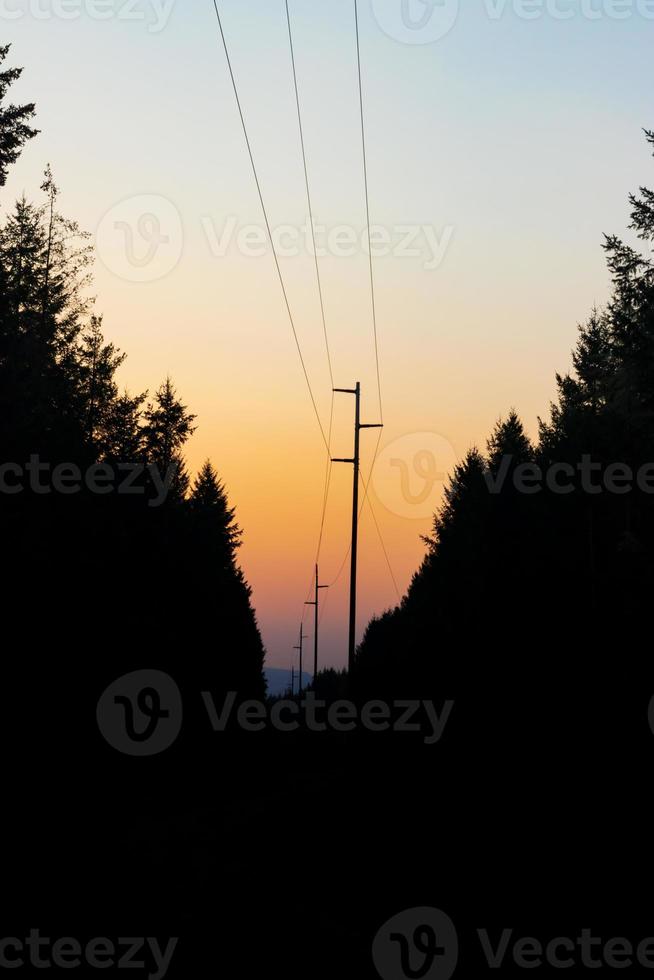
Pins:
<point x="279" y="681"/>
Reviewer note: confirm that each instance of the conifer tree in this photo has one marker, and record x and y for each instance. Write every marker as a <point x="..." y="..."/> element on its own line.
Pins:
<point x="45" y="309"/>
<point x="123" y="430"/>
<point x="167" y="427"/>
<point x="97" y="363"/>
<point x="211" y="510"/>
<point x="15" y="130"/>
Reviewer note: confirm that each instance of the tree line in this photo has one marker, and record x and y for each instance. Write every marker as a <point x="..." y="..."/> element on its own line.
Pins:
<point x="536" y="580"/>
<point x="107" y="580"/>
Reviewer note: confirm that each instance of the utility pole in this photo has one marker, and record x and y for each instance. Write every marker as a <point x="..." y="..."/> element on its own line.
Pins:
<point x="292" y="679"/>
<point x="302" y="637"/>
<point x="358" y="425"/>
<point x="315" y="627"/>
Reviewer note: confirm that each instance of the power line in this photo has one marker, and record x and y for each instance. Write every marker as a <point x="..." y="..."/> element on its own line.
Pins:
<point x="309" y="202"/>
<point x="268" y="228"/>
<point x="359" y="509"/>
<point x="365" y="179"/>
<point x="373" y="300"/>
<point x="365" y="496"/>
<point x="326" y="438"/>
<point x="318" y="278"/>
<point x="322" y="522"/>
<point x="383" y="546"/>
<point x="328" y="479"/>
<point x="355" y="462"/>
<point x="366" y="499"/>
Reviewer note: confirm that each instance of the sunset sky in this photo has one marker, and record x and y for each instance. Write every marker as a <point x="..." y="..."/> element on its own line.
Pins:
<point x="513" y="141"/>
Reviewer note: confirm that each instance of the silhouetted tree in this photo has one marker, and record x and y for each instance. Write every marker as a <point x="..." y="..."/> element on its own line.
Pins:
<point x="123" y="438"/>
<point x="44" y="260"/>
<point x="504" y="562"/>
<point x="97" y="364"/>
<point x="218" y="585"/>
<point x="212" y="513"/>
<point x="14" y="120"/>
<point x="167" y="427"/>
<point x="110" y="574"/>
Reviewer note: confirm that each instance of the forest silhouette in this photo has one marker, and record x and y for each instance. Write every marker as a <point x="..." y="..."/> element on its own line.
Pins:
<point x="530" y="611"/>
<point x="166" y="575"/>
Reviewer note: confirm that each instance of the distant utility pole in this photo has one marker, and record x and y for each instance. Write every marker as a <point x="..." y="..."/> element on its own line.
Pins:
<point x="358" y="425"/>
<point x="292" y="679"/>
<point x="315" y="627"/>
<point x="302" y="637"/>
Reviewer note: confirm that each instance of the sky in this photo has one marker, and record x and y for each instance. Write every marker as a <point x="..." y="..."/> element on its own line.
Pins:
<point x="503" y="139"/>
